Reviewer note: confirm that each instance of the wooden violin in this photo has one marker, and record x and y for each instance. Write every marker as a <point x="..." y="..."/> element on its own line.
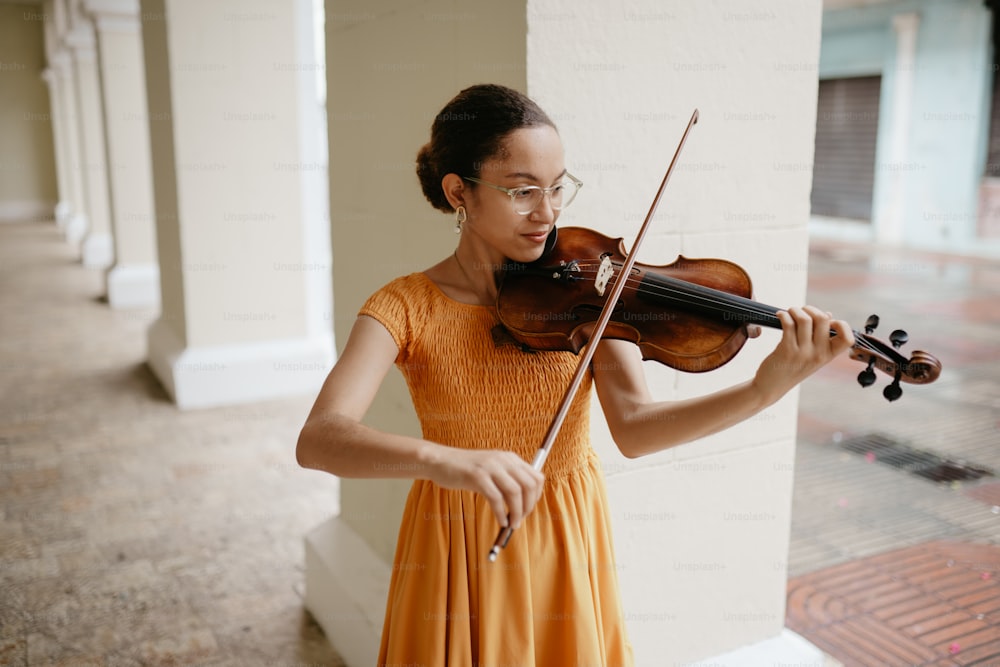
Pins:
<point x="691" y="315"/>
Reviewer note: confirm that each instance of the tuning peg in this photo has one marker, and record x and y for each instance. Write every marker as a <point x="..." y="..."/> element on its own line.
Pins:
<point x="898" y="337"/>
<point x="871" y="323"/>
<point x="866" y="378"/>
<point x="893" y="391"/>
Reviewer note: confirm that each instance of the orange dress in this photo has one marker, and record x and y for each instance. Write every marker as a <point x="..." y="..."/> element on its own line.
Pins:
<point x="552" y="596"/>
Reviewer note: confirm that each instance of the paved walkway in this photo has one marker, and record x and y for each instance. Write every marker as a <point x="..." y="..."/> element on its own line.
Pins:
<point x="134" y="534"/>
<point x="888" y="566"/>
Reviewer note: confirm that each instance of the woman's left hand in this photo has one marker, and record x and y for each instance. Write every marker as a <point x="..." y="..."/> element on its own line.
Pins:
<point x="806" y="346"/>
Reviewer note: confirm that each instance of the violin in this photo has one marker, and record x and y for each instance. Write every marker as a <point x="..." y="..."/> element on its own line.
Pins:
<point x="691" y="315"/>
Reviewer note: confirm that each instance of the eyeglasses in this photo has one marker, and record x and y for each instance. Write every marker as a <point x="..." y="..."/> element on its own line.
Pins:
<point x="526" y="198"/>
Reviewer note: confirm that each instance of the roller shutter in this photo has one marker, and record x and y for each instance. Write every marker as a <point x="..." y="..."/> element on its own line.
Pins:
<point x="846" y="131"/>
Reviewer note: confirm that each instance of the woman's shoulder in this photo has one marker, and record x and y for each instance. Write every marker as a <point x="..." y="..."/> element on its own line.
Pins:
<point x="401" y="306"/>
<point x="403" y="292"/>
<point x="411" y="283"/>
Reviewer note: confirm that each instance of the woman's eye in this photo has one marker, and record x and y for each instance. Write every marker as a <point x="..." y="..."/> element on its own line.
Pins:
<point x="524" y="193"/>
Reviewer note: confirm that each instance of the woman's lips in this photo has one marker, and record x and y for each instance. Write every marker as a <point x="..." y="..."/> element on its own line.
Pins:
<point x="537" y="238"/>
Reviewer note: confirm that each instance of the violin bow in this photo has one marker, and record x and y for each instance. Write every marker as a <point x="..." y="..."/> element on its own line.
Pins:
<point x="602" y="322"/>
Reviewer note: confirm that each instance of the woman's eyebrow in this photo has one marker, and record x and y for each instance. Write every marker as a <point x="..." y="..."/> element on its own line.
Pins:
<point x="532" y="177"/>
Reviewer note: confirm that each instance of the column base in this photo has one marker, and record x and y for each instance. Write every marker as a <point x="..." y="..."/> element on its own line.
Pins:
<point x="212" y="376"/>
<point x="63" y="213"/>
<point x="133" y="286"/>
<point x="75" y="229"/>
<point x="787" y="648"/>
<point x="346" y="588"/>
<point x="98" y="251"/>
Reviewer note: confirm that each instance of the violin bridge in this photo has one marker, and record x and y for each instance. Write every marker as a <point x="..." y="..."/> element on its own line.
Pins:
<point x="604" y="273"/>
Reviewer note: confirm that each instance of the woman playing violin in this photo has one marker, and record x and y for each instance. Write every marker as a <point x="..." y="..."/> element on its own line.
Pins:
<point x="495" y="162"/>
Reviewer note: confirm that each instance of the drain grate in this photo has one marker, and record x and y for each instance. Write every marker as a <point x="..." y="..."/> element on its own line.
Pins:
<point x="885" y="450"/>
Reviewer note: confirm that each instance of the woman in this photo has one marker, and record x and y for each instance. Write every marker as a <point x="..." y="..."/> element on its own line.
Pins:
<point x="495" y="161"/>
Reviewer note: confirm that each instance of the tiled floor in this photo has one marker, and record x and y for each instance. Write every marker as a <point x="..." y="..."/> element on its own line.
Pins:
<point x="135" y="534"/>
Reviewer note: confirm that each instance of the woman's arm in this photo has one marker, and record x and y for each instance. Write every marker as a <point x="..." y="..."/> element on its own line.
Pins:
<point x="642" y="426"/>
<point x="334" y="440"/>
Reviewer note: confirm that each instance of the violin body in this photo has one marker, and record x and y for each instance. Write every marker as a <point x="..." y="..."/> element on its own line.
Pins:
<point x="691" y="315"/>
<point x="552" y="303"/>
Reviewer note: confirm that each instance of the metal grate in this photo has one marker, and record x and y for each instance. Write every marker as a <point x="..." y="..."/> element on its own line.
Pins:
<point x="880" y="448"/>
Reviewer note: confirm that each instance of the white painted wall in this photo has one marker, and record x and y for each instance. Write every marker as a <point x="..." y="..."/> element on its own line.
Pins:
<point x="701" y="530"/>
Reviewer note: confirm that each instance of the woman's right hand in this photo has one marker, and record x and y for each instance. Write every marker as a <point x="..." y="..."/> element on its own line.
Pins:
<point x="508" y="483"/>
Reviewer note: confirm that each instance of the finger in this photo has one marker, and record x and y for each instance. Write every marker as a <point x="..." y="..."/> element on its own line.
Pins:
<point x="803" y="327"/>
<point x="512" y="496"/>
<point x="753" y="330"/>
<point x="844" y="338"/>
<point x="495" y="500"/>
<point x="787" y="327"/>
<point x="820" y="327"/>
<point x="532" y="482"/>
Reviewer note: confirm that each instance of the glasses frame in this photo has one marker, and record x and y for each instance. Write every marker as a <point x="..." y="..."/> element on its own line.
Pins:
<point x="512" y="192"/>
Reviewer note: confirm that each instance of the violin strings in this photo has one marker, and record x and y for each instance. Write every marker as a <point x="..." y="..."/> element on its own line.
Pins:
<point x="698" y="295"/>
<point x="717" y="300"/>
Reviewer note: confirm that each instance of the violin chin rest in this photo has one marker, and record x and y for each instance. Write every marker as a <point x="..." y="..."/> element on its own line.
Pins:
<point x="550" y="242"/>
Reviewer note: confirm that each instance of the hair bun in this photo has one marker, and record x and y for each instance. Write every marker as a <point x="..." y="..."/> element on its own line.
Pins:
<point x="470" y="131"/>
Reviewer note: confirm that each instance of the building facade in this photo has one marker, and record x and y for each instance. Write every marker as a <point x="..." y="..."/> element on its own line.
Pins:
<point x="904" y="125"/>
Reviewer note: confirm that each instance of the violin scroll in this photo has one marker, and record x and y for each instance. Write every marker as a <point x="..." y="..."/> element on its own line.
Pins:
<point x="921" y="368"/>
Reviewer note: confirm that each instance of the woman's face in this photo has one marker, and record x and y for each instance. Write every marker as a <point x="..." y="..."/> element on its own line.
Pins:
<point x="529" y="156"/>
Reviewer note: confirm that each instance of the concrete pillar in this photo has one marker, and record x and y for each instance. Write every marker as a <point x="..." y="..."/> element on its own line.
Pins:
<point x="701" y="531"/>
<point x="133" y="281"/>
<point x="97" y="247"/>
<point x="374" y="64"/>
<point x="891" y="208"/>
<point x="63" y="207"/>
<point x="237" y="154"/>
<point x="71" y="211"/>
<point x="54" y="81"/>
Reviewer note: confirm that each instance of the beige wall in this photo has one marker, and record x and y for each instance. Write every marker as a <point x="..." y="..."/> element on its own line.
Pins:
<point x="701" y="530"/>
<point x="383" y="90"/>
<point x="27" y="162"/>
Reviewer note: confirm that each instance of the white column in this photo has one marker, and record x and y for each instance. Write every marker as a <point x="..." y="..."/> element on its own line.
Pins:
<point x="133" y="281"/>
<point x="70" y="215"/>
<point x="889" y="217"/>
<point x="234" y="144"/>
<point x="53" y="81"/>
<point x="63" y="207"/>
<point x="701" y="531"/>
<point x="97" y="248"/>
<point x="384" y="87"/>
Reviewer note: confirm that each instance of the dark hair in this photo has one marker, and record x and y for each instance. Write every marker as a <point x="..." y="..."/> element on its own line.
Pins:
<point x="469" y="131"/>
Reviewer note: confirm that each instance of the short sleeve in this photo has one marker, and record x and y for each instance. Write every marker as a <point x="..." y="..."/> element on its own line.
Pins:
<point x="392" y="306"/>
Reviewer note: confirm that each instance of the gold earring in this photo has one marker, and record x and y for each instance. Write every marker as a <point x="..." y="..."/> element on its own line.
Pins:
<point x="460" y="217"/>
